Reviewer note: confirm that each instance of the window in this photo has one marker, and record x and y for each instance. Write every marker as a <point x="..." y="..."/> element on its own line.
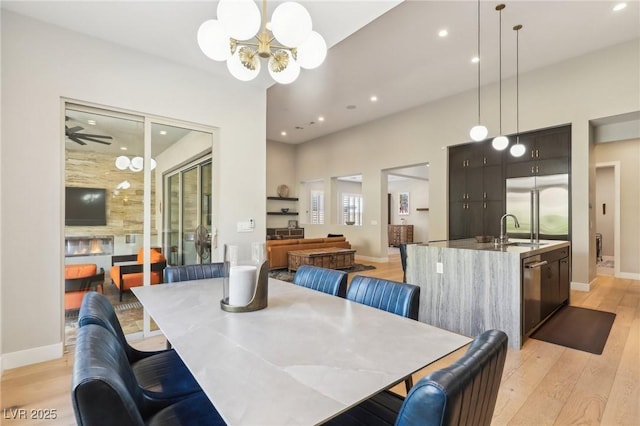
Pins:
<point x="317" y="207"/>
<point x="352" y="209"/>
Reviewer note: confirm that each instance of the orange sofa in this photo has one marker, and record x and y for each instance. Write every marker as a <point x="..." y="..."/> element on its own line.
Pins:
<point x="126" y="270"/>
<point x="278" y="250"/>
<point x="78" y="280"/>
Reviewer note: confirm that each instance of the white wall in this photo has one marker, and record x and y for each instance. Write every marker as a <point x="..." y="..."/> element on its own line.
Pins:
<point x="41" y="64"/>
<point x="600" y="84"/>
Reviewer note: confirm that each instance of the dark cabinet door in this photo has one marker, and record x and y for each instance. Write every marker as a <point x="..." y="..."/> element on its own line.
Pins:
<point x="549" y="287"/>
<point x="493" y="183"/>
<point x="474" y="184"/>
<point x="474" y="218"/>
<point x="553" y="143"/>
<point x="458" y="185"/>
<point x="457" y="220"/>
<point x="492" y="210"/>
<point x="552" y="166"/>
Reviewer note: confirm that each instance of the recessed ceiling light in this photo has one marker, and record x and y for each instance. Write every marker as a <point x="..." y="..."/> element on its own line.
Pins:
<point x="123" y="148"/>
<point x="92" y="122"/>
<point x="618" y="7"/>
<point x="443" y="33"/>
<point x="351" y="107"/>
<point x="373" y="98"/>
<point x="163" y="132"/>
<point x="283" y="133"/>
<point x="475" y="60"/>
<point x="320" y="118"/>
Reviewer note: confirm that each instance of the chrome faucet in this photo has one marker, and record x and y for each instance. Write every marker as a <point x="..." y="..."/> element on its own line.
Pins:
<point x="504" y="238"/>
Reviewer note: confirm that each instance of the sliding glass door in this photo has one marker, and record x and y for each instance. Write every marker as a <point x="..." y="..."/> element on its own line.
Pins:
<point x="115" y="168"/>
<point x="189" y="212"/>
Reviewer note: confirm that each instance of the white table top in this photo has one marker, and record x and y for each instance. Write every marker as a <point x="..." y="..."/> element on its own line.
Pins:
<point x="305" y="358"/>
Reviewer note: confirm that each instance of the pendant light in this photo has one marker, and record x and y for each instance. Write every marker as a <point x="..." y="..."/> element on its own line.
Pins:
<point x="518" y="149"/>
<point x="500" y="142"/>
<point x="478" y="132"/>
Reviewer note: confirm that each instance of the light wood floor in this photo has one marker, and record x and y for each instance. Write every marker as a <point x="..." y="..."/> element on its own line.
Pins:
<point x="542" y="384"/>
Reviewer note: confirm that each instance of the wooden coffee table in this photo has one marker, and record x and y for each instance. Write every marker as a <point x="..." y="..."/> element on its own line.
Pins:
<point x="332" y="258"/>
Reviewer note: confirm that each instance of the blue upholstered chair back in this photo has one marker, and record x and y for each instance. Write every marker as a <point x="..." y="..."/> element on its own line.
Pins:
<point x="391" y="296"/>
<point x="104" y="390"/>
<point x="96" y="309"/>
<point x="463" y="393"/>
<point x="329" y="281"/>
<point x="193" y="272"/>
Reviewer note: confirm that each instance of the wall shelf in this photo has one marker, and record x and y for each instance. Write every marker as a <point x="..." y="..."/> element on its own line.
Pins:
<point x="283" y="198"/>
<point x="282" y="214"/>
<point x="422" y="209"/>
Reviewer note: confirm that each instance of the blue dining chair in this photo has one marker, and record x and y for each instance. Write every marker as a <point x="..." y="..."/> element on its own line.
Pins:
<point x="392" y="296"/>
<point x="193" y="272"/>
<point x="463" y="393"/>
<point x="104" y="389"/>
<point x="329" y="281"/>
<point x="161" y="374"/>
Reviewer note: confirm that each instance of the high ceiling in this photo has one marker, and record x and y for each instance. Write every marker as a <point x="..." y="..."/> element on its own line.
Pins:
<point x="390" y="49"/>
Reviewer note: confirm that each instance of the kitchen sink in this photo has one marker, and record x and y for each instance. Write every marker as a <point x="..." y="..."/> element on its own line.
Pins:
<point x="525" y="244"/>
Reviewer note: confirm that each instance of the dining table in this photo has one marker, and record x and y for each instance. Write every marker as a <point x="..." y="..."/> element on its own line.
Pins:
<point x="305" y="358"/>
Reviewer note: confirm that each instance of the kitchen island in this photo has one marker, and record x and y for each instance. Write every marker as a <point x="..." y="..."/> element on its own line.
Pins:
<point x="469" y="287"/>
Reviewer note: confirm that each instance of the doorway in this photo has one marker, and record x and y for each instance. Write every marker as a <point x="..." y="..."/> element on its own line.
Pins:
<point x="607" y="218"/>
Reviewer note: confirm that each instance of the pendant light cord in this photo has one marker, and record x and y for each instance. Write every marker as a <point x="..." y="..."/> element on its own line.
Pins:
<point x="517" y="28"/>
<point x="478" y="61"/>
<point x="500" y="67"/>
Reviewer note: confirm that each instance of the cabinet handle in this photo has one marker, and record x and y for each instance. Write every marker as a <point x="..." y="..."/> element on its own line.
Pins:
<point x="533" y="153"/>
<point x="532" y="170"/>
<point x="484" y="160"/>
<point x="536" y="264"/>
<point x="537" y="169"/>
<point x="484" y="195"/>
<point x="537" y="154"/>
<point x="485" y="205"/>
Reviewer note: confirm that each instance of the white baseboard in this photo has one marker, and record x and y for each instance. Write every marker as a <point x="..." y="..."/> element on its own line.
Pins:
<point x="628" y="275"/>
<point x="583" y="286"/>
<point x="31" y="356"/>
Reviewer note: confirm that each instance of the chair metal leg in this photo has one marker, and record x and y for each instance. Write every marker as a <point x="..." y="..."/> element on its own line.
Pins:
<point x="408" y="383"/>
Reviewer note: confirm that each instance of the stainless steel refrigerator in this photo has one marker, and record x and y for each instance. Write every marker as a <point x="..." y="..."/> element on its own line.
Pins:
<point x="542" y="206"/>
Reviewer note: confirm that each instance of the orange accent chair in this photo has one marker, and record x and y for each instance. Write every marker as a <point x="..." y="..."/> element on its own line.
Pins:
<point x="78" y="280"/>
<point x="126" y="270"/>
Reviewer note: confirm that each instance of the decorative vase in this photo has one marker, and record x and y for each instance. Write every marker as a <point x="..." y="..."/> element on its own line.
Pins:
<point x="245" y="281"/>
<point x="283" y="191"/>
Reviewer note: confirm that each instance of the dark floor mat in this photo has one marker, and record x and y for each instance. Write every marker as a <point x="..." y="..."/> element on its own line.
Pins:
<point x="577" y="328"/>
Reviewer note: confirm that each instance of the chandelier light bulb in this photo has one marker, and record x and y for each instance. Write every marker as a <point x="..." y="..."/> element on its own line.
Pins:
<point x="478" y="133"/>
<point x="239" y="71"/>
<point x="500" y="142"/>
<point x="287" y="75"/>
<point x="291" y="24"/>
<point x="213" y="40"/>
<point x="517" y="150"/>
<point x="240" y="18"/>
<point x="312" y="51"/>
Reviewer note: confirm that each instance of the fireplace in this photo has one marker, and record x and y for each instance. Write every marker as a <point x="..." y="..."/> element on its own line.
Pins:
<point x="96" y="245"/>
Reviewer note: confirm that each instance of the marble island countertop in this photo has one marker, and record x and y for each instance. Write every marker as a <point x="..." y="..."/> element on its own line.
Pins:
<point x="515" y="245"/>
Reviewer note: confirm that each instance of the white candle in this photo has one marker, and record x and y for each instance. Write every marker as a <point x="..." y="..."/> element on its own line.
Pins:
<point x="242" y="284"/>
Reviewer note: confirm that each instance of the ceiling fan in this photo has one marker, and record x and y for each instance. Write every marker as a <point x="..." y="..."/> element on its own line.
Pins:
<point x="83" y="138"/>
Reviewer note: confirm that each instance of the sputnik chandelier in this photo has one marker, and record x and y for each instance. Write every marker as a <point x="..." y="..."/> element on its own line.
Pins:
<point x="241" y="36"/>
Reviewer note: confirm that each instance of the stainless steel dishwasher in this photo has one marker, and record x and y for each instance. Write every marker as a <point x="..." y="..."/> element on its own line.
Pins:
<point x="532" y="292"/>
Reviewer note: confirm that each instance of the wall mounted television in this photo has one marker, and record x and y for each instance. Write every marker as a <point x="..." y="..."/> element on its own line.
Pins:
<point x="85" y="206"/>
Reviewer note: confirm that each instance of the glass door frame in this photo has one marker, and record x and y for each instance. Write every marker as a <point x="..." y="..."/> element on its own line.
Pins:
<point x="148" y="120"/>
